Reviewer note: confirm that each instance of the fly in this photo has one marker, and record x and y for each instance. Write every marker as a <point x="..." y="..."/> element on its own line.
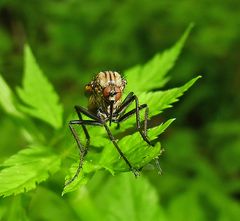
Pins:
<point x="104" y="108"/>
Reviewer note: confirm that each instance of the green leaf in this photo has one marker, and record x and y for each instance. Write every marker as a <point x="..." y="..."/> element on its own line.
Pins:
<point x="46" y="204"/>
<point x="83" y="197"/>
<point x="225" y="206"/>
<point x="7" y="99"/>
<point x="9" y="104"/>
<point x="186" y="207"/>
<point x="22" y="171"/>
<point x="83" y="177"/>
<point x="126" y="198"/>
<point x="152" y="75"/>
<point x="133" y="147"/>
<point x="158" y="101"/>
<point x="15" y="210"/>
<point x="38" y="94"/>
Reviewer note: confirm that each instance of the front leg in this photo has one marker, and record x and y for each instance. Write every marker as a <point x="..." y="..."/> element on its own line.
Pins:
<point x="82" y="149"/>
<point x="125" y="104"/>
<point x="136" y="111"/>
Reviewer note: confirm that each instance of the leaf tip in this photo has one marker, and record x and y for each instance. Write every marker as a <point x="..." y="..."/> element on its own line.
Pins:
<point x="27" y="49"/>
<point x="199" y="76"/>
<point x="191" y="82"/>
<point x="63" y="192"/>
<point x="196" y="78"/>
<point x="191" y="25"/>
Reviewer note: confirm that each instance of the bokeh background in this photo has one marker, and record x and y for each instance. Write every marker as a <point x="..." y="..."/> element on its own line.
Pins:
<point x="73" y="39"/>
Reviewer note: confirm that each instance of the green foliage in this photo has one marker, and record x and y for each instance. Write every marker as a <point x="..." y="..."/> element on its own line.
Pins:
<point x="74" y="39"/>
<point x="24" y="170"/>
<point x="137" y="152"/>
<point x="7" y="98"/>
<point x="10" y="106"/>
<point x="48" y="205"/>
<point x="16" y="211"/>
<point x="38" y="94"/>
<point x="196" y="183"/>
<point x="152" y="75"/>
<point x="142" y="206"/>
<point x="182" y="203"/>
<point x="160" y="100"/>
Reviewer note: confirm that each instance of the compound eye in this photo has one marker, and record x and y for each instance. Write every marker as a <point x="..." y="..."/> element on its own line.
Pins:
<point x="112" y="92"/>
<point x="106" y="92"/>
<point x="88" y="88"/>
<point x="118" y="93"/>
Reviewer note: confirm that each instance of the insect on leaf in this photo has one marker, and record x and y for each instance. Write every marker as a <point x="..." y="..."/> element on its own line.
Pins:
<point x="22" y="171"/>
<point x="135" y="151"/>
<point x="152" y="75"/>
<point x="38" y="95"/>
<point x="138" y="152"/>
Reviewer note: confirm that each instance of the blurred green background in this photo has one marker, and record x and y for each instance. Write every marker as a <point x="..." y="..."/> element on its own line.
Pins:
<point x="73" y="39"/>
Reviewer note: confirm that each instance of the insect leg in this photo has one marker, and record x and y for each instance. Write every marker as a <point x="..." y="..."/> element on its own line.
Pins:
<point x="145" y="121"/>
<point x="134" y="170"/>
<point x="124" y="105"/>
<point x="126" y="102"/>
<point x="84" y="111"/>
<point x="130" y="113"/>
<point x="138" y="122"/>
<point x="82" y="150"/>
<point x="80" y="110"/>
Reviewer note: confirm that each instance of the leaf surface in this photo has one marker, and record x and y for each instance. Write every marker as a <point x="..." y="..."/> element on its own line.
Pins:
<point x="25" y="169"/>
<point x="126" y="198"/>
<point x="7" y="98"/>
<point x="40" y="99"/>
<point x="152" y="75"/>
<point x="157" y="102"/>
